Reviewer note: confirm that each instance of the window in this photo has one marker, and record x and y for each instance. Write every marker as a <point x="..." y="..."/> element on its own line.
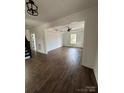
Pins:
<point x="73" y="38"/>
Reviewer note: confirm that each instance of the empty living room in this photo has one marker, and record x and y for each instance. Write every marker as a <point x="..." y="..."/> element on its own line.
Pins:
<point x="61" y="45"/>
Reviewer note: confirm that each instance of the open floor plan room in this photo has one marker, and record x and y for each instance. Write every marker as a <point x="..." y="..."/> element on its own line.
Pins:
<point x="61" y="46"/>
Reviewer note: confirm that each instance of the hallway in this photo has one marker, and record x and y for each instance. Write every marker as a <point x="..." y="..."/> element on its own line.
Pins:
<point x="59" y="72"/>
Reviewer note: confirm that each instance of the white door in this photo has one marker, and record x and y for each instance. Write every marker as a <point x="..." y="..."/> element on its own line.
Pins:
<point x="33" y="42"/>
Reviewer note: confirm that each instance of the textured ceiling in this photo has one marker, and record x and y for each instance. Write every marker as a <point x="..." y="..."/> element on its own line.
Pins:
<point x="50" y="10"/>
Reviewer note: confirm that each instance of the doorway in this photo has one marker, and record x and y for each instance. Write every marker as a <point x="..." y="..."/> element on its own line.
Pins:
<point x="33" y="42"/>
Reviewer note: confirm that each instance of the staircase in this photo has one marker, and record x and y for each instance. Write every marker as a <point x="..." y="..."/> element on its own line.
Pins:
<point x="27" y="49"/>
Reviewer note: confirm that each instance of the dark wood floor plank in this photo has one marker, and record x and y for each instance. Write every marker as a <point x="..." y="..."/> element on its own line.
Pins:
<point x="58" y="72"/>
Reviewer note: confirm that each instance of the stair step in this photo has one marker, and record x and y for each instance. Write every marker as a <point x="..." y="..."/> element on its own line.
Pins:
<point x="27" y="53"/>
<point x="27" y="57"/>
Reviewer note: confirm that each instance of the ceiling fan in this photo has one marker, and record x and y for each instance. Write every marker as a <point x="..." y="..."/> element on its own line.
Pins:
<point x="68" y="29"/>
<point x="63" y="29"/>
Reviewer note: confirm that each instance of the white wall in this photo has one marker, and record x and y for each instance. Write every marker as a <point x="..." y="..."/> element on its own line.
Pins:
<point x="40" y="37"/>
<point x="95" y="68"/>
<point x="91" y="40"/>
<point x="46" y="40"/>
<point x="27" y="34"/>
<point x="80" y="37"/>
<point x="53" y="39"/>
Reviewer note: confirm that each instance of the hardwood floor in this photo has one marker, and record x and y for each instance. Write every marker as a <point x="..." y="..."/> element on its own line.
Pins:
<point x="59" y="72"/>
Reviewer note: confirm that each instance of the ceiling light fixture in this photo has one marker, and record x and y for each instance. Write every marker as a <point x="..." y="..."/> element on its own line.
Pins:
<point x="32" y="9"/>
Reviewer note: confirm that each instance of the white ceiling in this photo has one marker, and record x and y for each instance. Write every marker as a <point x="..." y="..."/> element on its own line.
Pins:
<point x="50" y="10"/>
